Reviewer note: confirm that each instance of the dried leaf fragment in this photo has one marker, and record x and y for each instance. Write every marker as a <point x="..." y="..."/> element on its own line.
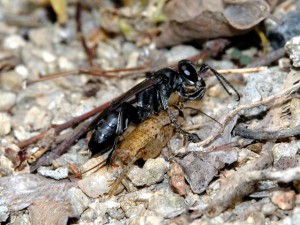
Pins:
<point x="246" y="14"/>
<point x="203" y="19"/>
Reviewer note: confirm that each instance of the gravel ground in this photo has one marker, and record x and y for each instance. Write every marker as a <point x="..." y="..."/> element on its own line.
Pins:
<point x="149" y="195"/>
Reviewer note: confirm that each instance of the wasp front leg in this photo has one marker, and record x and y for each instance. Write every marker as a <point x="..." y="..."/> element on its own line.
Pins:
<point x="164" y="101"/>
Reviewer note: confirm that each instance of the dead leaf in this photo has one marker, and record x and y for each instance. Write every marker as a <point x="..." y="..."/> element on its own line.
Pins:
<point x="49" y="211"/>
<point x="190" y="20"/>
<point x="245" y="15"/>
<point x="60" y="8"/>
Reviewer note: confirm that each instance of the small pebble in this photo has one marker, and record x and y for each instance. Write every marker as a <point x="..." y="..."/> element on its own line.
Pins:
<point x="8" y="99"/>
<point x="13" y="42"/>
<point x="292" y="48"/>
<point x="41" y="36"/>
<point x="296" y="216"/>
<point x="78" y="200"/>
<point x="132" y="210"/>
<point x="5" y="124"/>
<point x="65" y="64"/>
<point x="255" y="218"/>
<point x="4" y="213"/>
<point x="165" y="203"/>
<point x="58" y="174"/>
<point x="295" y="112"/>
<point x="149" y="220"/>
<point x="285" y="149"/>
<point x="48" y="57"/>
<point x="285" y="200"/>
<point x="152" y="172"/>
<point x="108" y="53"/>
<point x="70" y="157"/>
<point x="22" y="70"/>
<point x="11" y="80"/>
<point x="181" y="52"/>
<point x="6" y="166"/>
<point x="269" y="208"/>
<point x="97" y="183"/>
<point x="37" y="118"/>
<point x="176" y="179"/>
<point x="101" y="209"/>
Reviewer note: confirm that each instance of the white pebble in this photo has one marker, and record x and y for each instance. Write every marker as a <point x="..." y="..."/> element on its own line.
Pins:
<point x="13" y="42"/>
<point x="59" y="173"/>
<point x="48" y="57"/>
<point x="8" y="99"/>
<point x="22" y="70"/>
<point x="5" y="124"/>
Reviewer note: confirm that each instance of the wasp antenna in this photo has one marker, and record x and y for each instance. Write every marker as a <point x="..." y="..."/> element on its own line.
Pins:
<point x="198" y="110"/>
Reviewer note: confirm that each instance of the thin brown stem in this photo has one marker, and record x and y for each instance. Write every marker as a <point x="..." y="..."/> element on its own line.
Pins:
<point x="88" y="51"/>
<point x="61" y="127"/>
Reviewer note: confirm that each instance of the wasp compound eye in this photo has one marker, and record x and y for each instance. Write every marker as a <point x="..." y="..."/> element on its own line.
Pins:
<point x="188" y="71"/>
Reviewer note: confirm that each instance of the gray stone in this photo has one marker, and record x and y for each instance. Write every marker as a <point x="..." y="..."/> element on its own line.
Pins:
<point x="101" y="209"/>
<point x="261" y="85"/>
<point x="48" y="57"/>
<point x="41" y="36"/>
<point x="152" y="172"/>
<point x="296" y="216"/>
<point x="11" y="81"/>
<point x="70" y="157"/>
<point x="78" y="200"/>
<point x="4" y="213"/>
<point x="108" y="54"/>
<point x="201" y="167"/>
<point x="96" y="184"/>
<point x="285" y="149"/>
<point x="269" y="208"/>
<point x="5" y="124"/>
<point x="132" y="209"/>
<point x="292" y="48"/>
<point x="8" y="99"/>
<point x="147" y="220"/>
<point x="37" y="118"/>
<point x="13" y="42"/>
<point x="6" y="166"/>
<point x="165" y="203"/>
<point x="181" y="52"/>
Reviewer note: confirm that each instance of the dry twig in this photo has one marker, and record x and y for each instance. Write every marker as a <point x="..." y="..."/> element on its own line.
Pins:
<point x="90" y="54"/>
<point x="267" y="60"/>
<point x="269" y="101"/>
<point x="236" y="186"/>
<point x="266" y="135"/>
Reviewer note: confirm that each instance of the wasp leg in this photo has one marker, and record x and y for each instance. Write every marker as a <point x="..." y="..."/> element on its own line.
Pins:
<point x="162" y="93"/>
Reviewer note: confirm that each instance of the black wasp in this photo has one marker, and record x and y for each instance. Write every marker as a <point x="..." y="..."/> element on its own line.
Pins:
<point x="149" y="97"/>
